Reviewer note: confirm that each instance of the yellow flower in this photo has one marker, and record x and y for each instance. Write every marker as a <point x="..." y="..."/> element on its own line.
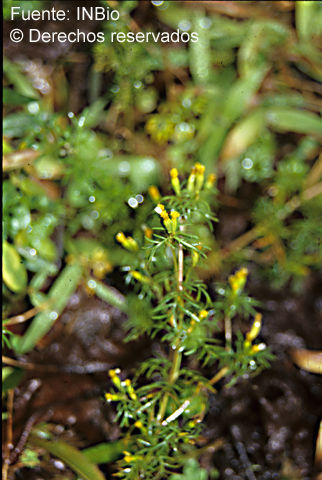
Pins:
<point x="258" y="348"/>
<point x="114" y="373"/>
<point x="114" y="377"/>
<point x="210" y="181"/>
<point x="147" y="231"/>
<point x="200" y="175"/>
<point x="130" y="389"/>
<point x="174" y="216"/>
<point x="138" y="276"/>
<point x="175" y="181"/>
<point x="192" y="324"/>
<point x="128" y="458"/>
<point x="127" y="242"/>
<point x="120" y="237"/>
<point x="238" y="280"/>
<point x="154" y="193"/>
<point x="138" y="424"/>
<point x="203" y="314"/>
<point x="159" y="208"/>
<point x="111" y="397"/>
<point x="256" y="327"/>
<point x="191" y="180"/>
<point x="195" y="258"/>
<point x="164" y="215"/>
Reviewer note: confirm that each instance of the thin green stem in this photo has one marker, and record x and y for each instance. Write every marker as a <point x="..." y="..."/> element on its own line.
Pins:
<point x="173" y="375"/>
<point x="177" y="356"/>
<point x="228" y="331"/>
<point x="175" y="263"/>
<point x="219" y="375"/>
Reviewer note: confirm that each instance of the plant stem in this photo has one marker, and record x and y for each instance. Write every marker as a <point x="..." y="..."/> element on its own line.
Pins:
<point x="177" y="356"/>
<point x="228" y="331"/>
<point x="173" y="375"/>
<point x="22" y="317"/>
<point x="219" y="375"/>
<point x="175" y="263"/>
<point x="180" y="268"/>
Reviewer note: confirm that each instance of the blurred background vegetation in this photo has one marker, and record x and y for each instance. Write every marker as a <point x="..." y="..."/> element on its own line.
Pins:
<point x="88" y="128"/>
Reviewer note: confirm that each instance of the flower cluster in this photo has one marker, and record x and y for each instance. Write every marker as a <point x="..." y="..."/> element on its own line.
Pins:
<point x="238" y="280"/>
<point x="124" y="387"/>
<point x="170" y="224"/>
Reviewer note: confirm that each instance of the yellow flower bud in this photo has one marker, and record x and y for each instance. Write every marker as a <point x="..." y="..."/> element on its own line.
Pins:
<point x="130" y="389"/>
<point x="258" y="348"/>
<point x="154" y="193"/>
<point x="192" y="423"/>
<point x="200" y="175"/>
<point x="175" y="181"/>
<point x="127" y="457"/>
<point x="138" y="424"/>
<point x="238" y="280"/>
<point x="159" y="208"/>
<point x="191" y="180"/>
<point x="138" y="276"/>
<point x="256" y="327"/>
<point x="200" y="169"/>
<point x="192" y="324"/>
<point x="111" y="397"/>
<point x="131" y="244"/>
<point x="203" y="314"/>
<point x="194" y="258"/>
<point x="120" y="237"/>
<point x="127" y="242"/>
<point x="174" y="216"/>
<point x="210" y="181"/>
<point x="165" y="216"/>
<point x="147" y="231"/>
<point x="114" y="377"/>
<point x="114" y="373"/>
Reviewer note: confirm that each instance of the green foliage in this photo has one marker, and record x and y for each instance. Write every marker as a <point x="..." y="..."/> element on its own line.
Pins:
<point x="61" y="177"/>
<point x="191" y="471"/>
<point x="73" y="457"/>
<point x="29" y="458"/>
<point x="11" y="377"/>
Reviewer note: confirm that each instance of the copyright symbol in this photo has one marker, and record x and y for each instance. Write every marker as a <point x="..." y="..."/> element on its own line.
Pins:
<point x="16" y="35"/>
